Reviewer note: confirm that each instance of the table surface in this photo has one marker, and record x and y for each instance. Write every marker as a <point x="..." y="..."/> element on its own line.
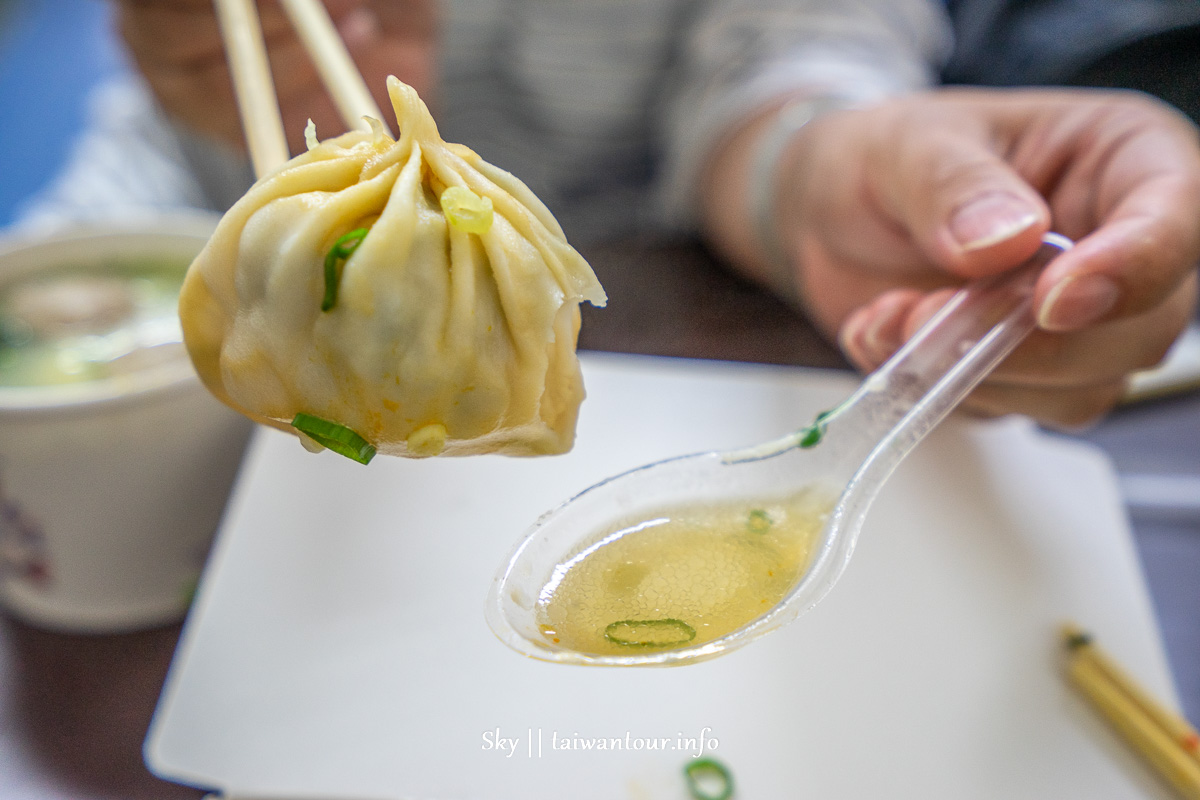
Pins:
<point x="74" y="709"/>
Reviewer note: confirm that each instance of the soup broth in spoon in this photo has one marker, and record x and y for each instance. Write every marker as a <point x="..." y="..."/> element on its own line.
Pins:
<point x="681" y="577"/>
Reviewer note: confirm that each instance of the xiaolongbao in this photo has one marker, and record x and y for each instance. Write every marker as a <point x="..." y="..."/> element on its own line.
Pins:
<point x="404" y="291"/>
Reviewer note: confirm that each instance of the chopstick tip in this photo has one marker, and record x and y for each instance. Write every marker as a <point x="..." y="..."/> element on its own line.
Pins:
<point x="1075" y="637"/>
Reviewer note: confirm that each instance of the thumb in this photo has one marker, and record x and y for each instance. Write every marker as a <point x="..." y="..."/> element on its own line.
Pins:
<point x="966" y="209"/>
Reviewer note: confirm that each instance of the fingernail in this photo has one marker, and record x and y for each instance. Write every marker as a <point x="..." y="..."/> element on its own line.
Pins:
<point x="991" y="219"/>
<point x="850" y="337"/>
<point x="882" y="336"/>
<point x="1076" y="301"/>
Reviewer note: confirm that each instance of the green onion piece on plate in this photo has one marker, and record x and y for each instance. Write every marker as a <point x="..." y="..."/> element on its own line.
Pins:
<point x="337" y="438"/>
<point x="708" y="779"/>
<point x="341" y="250"/>
<point x="650" y="632"/>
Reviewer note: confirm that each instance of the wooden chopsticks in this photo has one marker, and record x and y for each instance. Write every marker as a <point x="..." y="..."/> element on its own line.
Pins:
<point x="342" y="79"/>
<point x="258" y="104"/>
<point x="1165" y="739"/>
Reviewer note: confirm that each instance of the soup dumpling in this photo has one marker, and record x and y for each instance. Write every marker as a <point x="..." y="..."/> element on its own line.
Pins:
<point x="405" y="291"/>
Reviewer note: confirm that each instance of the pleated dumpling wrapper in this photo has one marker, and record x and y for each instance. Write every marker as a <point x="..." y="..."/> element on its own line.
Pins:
<point x="403" y="292"/>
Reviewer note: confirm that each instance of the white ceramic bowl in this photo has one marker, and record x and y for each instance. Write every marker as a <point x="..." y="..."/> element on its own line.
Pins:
<point x="111" y="490"/>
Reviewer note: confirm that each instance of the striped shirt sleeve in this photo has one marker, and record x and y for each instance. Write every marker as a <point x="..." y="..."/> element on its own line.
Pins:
<point x="742" y="55"/>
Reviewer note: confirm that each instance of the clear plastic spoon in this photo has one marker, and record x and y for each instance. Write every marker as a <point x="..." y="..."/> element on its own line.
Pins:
<point x="860" y="444"/>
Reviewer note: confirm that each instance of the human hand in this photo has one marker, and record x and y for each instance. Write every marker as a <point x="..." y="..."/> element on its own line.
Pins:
<point x="177" y="46"/>
<point x="886" y="209"/>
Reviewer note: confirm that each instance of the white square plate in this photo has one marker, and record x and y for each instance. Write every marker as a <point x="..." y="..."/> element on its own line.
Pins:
<point x="338" y="647"/>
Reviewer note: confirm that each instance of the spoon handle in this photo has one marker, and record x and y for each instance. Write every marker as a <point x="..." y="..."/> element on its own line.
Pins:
<point x="899" y="403"/>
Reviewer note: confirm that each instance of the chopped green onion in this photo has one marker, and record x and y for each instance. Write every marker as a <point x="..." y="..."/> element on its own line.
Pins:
<point x="708" y="779"/>
<point x="758" y="521"/>
<point x="428" y="440"/>
<point x="650" y="632"/>
<point x="340" y="251"/>
<point x="812" y="435"/>
<point x="466" y="210"/>
<point x="337" y="438"/>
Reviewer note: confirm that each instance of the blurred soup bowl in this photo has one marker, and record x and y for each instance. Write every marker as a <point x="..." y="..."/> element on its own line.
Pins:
<point x="115" y="462"/>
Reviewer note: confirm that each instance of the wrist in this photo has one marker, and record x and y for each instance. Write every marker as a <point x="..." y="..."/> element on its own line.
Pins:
<point x="745" y="200"/>
<point x="767" y="208"/>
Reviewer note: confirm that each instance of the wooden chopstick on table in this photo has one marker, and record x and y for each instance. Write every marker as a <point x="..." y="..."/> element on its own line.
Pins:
<point x="254" y="87"/>
<point x="1162" y="737"/>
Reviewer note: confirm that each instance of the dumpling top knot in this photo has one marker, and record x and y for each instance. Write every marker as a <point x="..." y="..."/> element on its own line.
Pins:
<point x="412" y="114"/>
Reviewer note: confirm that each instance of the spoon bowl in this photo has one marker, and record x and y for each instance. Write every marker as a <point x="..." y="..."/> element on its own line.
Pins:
<point x="845" y="455"/>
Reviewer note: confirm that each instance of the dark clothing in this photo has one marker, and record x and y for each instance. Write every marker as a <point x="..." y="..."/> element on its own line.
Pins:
<point x="1149" y="45"/>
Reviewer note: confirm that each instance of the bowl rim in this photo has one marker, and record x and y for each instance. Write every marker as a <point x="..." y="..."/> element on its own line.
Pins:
<point x="140" y="386"/>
